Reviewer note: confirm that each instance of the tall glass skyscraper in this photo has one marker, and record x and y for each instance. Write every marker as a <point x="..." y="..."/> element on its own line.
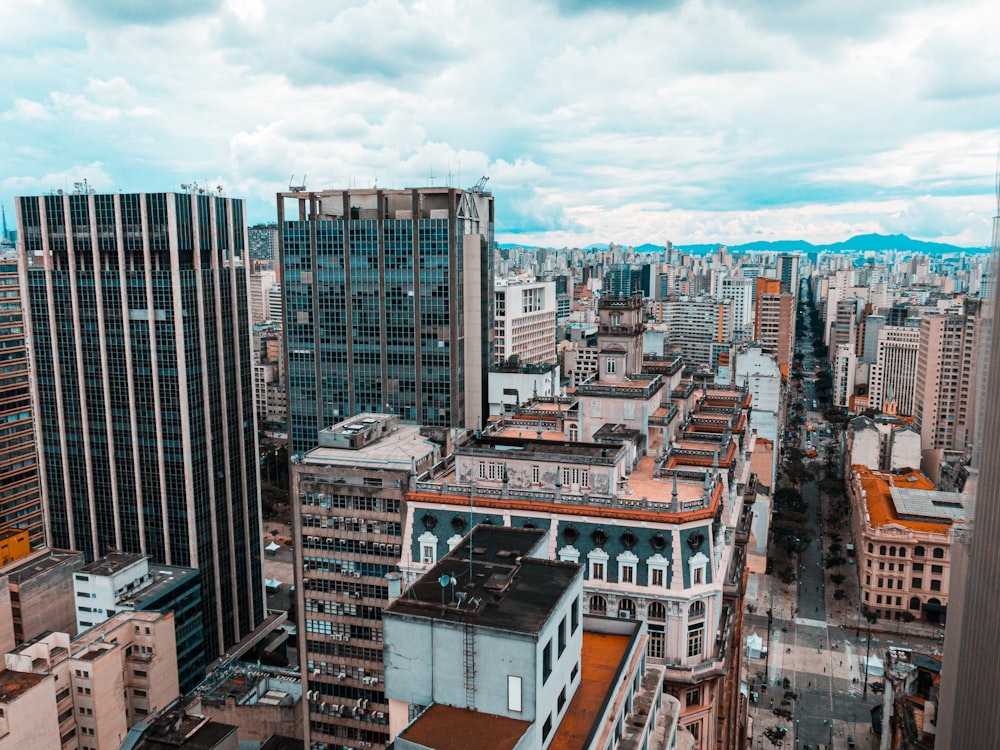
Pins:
<point x="138" y="322"/>
<point x="387" y="306"/>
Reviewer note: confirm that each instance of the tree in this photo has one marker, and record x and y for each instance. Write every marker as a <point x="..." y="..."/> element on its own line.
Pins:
<point x="837" y="578"/>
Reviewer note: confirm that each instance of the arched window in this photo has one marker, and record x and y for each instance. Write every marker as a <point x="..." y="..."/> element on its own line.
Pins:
<point x="656" y="611"/>
<point x="902" y="551"/>
<point x="892" y="551"/>
<point x="598" y="605"/>
<point x="881" y="550"/>
<point x="914" y="602"/>
<point x="871" y="548"/>
<point x="626" y="609"/>
<point x="573" y="433"/>
<point x="938" y="553"/>
<point x="697" y="609"/>
<point x="918" y="551"/>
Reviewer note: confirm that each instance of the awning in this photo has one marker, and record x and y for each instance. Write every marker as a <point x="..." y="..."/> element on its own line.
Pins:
<point x="272" y="547"/>
<point x="272" y="583"/>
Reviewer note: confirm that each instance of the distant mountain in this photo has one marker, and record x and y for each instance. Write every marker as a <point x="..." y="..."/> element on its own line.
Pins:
<point x="858" y="243"/>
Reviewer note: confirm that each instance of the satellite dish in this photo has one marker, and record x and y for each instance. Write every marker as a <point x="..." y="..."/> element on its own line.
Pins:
<point x="444" y="580"/>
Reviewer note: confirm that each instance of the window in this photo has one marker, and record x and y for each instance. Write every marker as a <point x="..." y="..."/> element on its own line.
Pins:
<point x="547" y="727"/>
<point x="656" y="577"/>
<point x="656" y="611"/>
<point x="696" y="629"/>
<point x="535" y="474"/>
<point x="597" y="560"/>
<point x="428" y="548"/>
<point x="938" y="553"/>
<point x="513" y="693"/>
<point x="610" y="365"/>
<point x="918" y="567"/>
<point x="914" y="603"/>
<point x="878" y="599"/>
<point x="917" y="583"/>
<point x="576" y="615"/>
<point x="918" y="551"/>
<point x="563" y="630"/>
<point x="562" y="698"/>
<point x="937" y="569"/>
<point x="655" y="645"/>
<point x="693" y="697"/>
<point x="627" y="563"/>
<point x="882" y="550"/>
<point x="626" y="609"/>
<point x="935" y="584"/>
<point x="598" y="604"/>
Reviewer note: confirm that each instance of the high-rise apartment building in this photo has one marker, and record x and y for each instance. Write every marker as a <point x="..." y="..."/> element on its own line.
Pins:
<point x="944" y="406"/>
<point x="774" y="321"/>
<point x="347" y="508"/>
<point x="788" y="272"/>
<point x="525" y="322"/>
<point x="387" y="297"/>
<point x="20" y="492"/>
<point x="138" y="322"/>
<point x="891" y="379"/>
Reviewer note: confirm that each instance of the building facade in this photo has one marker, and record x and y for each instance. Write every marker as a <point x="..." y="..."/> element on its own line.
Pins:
<point x="903" y="531"/>
<point x="387" y="306"/>
<point x="347" y="510"/>
<point x="525" y="322"/>
<point x="20" y="488"/>
<point x="138" y="321"/>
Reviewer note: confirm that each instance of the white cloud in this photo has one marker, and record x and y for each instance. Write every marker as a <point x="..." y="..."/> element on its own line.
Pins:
<point x="596" y="121"/>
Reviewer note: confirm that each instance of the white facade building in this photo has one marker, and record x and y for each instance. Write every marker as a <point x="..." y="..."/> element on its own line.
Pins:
<point x="524" y="321"/>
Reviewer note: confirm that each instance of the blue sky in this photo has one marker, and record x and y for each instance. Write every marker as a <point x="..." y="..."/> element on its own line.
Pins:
<point x="596" y="121"/>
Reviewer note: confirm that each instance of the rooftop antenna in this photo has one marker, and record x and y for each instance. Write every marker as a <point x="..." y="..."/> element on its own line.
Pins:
<point x="297" y="187"/>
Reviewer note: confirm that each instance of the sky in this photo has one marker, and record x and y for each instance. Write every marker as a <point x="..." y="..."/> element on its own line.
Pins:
<point x="596" y="121"/>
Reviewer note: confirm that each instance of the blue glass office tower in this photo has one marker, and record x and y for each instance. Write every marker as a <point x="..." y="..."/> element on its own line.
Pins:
<point x="387" y="306"/>
<point x="140" y="341"/>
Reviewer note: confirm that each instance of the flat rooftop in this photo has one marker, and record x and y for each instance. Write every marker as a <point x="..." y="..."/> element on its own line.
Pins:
<point x="448" y="728"/>
<point x="41" y="562"/>
<point x="601" y="658"/>
<point x="111" y="563"/>
<point x="491" y="581"/>
<point x="398" y="449"/>
<point x="529" y="446"/>
<point x="15" y="684"/>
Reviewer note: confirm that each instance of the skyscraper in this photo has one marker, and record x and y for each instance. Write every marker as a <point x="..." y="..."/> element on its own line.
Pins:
<point x="137" y="311"/>
<point x="967" y="715"/>
<point x="387" y="297"/>
<point x="20" y="494"/>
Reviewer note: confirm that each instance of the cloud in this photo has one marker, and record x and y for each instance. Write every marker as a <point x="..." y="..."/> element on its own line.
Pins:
<point x="144" y="12"/>
<point x="94" y="172"/>
<point x="595" y="121"/>
<point x="25" y="109"/>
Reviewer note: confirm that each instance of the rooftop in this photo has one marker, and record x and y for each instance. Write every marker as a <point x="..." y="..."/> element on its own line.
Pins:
<point x="15" y="684"/>
<point x="908" y="498"/>
<point x="600" y="660"/>
<point x="527" y="447"/>
<point x="392" y="448"/>
<point x="448" y="728"/>
<point x="38" y="563"/>
<point x="490" y="580"/>
<point x="111" y="563"/>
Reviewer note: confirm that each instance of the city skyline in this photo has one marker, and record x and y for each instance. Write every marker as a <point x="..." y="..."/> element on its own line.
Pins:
<point x="696" y="122"/>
